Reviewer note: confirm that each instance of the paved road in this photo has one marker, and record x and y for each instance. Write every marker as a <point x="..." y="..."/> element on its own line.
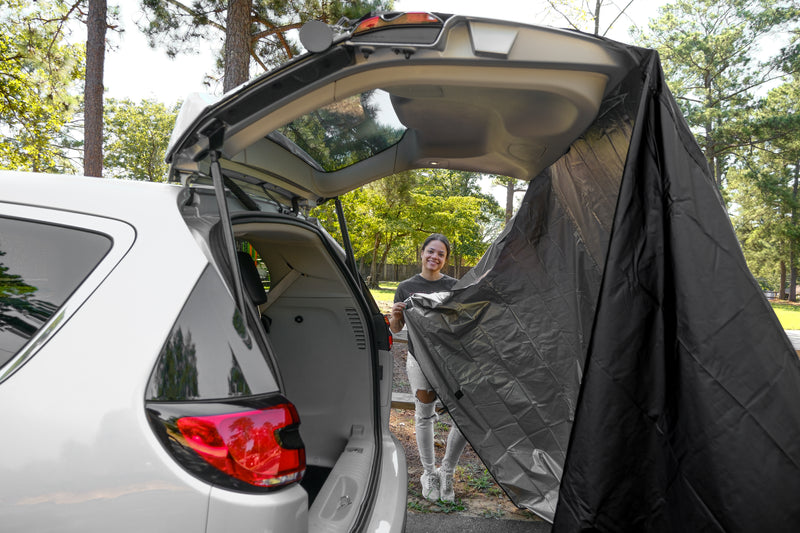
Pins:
<point x="455" y="523"/>
<point x="794" y="337"/>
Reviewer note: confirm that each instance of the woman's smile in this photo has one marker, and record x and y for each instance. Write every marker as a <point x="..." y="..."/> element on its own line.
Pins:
<point x="434" y="256"/>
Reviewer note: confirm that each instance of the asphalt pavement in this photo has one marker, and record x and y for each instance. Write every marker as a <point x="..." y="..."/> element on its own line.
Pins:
<point x="457" y="523"/>
<point x="794" y="337"/>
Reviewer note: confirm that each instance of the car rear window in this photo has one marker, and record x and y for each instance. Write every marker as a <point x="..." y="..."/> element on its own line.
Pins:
<point x="210" y="353"/>
<point x="41" y="265"/>
<point x="345" y="132"/>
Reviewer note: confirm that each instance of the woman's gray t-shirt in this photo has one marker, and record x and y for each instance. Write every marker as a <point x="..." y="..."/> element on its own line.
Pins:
<point x="417" y="284"/>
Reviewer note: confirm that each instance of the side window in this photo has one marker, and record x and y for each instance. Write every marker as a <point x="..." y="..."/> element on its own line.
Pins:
<point x="210" y="353"/>
<point x="41" y="265"/>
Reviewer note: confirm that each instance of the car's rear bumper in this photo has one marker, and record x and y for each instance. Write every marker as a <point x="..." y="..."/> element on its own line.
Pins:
<point x="389" y="513"/>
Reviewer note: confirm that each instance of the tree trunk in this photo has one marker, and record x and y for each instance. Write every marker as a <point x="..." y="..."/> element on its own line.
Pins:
<point x="372" y="282"/>
<point x="237" y="44"/>
<point x="709" y="141"/>
<point x="93" y="89"/>
<point x="382" y="264"/>
<point x="793" y="243"/>
<point x="782" y="290"/>
<point x="510" y="188"/>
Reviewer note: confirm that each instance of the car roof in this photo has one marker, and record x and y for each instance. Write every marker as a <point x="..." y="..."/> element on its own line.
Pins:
<point x="483" y="95"/>
<point x="112" y="198"/>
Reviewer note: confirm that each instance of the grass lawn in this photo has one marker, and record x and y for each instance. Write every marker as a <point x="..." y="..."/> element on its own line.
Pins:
<point x="788" y="314"/>
<point x="385" y="295"/>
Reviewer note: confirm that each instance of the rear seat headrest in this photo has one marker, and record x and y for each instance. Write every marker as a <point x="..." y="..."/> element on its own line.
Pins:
<point x="250" y="278"/>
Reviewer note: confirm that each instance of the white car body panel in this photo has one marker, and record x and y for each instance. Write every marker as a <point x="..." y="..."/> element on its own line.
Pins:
<point x="85" y="469"/>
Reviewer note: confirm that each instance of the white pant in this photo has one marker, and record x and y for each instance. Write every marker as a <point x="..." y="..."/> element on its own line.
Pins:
<point x="424" y="418"/>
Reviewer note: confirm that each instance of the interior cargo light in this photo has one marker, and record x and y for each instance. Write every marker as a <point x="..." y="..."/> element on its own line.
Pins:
<point x="394" y="19"/>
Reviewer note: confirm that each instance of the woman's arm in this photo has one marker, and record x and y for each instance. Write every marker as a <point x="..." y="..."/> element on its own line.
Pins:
<point x="396" y="318"/>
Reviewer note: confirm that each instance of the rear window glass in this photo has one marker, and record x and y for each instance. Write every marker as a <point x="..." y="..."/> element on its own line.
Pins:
<point x="348" y="131"/>
<point x="41" y="265"/>
<point x="210" y="353"/>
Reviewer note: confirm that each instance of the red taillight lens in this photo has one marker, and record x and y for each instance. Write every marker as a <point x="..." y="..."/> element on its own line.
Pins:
<point x="259" y="447"/>
<point x="248" y="444"/>
<point x="368" y="24"/>
<point x="419" y="18"/>
<point x="404" y="19"/>
<point x="389" y="329"/>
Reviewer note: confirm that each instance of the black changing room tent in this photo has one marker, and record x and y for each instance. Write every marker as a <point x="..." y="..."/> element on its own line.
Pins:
<point x="611" y="358"/>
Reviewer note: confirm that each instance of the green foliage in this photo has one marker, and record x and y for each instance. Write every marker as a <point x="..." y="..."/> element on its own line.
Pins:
<point x="757" y="220"/>
<point x="511" y="186"/>
<point x="39" y="76"/>
<point x="481" y="482"/>
<point x="596" y="17"/>
<point x="136" y="138"/>
<point x="421" y="505"/>
<point x="344" y="132"/>
<point x="177" y="366"/>
<point x="711" y="54"/>
<point x="479" y="479"/>
<point x="765" y="190"/>
<point x="388" y="219"/>
<point x="449" y="507"/>
<point x="417" y="506"/>
<point x="451" y="202"/>
<point x="20" y="310"/>
<point x="15" y="292"/>
<point x="716" y="57"/>
<point x="180" y="27"/>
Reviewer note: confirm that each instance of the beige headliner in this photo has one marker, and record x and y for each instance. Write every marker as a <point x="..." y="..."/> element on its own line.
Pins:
<point x="509" y="121"/>
<point x="493" y="97"/>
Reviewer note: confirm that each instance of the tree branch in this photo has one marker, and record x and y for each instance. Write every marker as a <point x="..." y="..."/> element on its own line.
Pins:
<point x="279" y="31"/>
<point x="195" y="13"/>
<point x="563" y="15"/>
<point x="621" y="12"/>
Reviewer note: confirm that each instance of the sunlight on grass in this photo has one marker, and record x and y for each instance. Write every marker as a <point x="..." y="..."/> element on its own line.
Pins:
<point x="385" y="295"/>
<point x="788" y="314"/>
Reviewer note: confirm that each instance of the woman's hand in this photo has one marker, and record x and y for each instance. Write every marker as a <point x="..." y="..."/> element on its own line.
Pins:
<point x="396" y="320"/>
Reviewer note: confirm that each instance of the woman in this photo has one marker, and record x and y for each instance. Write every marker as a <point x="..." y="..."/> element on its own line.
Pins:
<point x="436" y="483"/>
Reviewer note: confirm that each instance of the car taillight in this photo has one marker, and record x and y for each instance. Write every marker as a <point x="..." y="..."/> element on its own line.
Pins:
<point x="243" y="449"/>
<point x="389" y="329"/>
<point x="395" y="19"/>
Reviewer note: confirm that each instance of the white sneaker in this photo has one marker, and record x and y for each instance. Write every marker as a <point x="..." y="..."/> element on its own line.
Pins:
<point x="430" y="485"/>
<point x="446" y="492"/>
